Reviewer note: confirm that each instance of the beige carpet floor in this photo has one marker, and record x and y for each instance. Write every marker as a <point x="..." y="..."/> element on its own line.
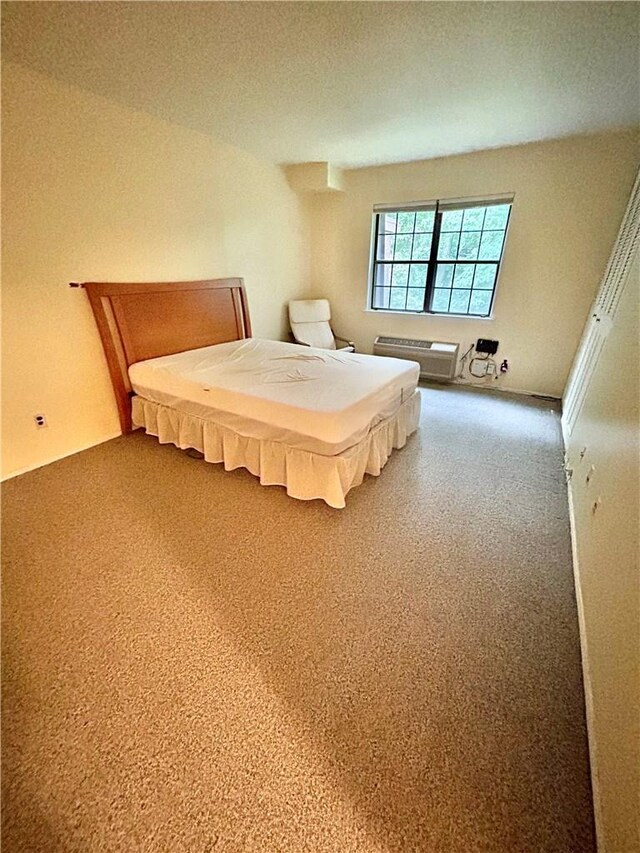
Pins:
<point x="193" y="662"/>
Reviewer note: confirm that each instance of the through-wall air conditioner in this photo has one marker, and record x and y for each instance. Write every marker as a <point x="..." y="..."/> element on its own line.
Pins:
<point x="437" y="359"/>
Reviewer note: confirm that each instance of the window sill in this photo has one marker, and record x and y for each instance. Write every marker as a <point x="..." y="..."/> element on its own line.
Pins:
<point x="427" y="314"/>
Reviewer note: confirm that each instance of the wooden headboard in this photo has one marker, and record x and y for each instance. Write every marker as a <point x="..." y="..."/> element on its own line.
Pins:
<point x="140" y="321"/>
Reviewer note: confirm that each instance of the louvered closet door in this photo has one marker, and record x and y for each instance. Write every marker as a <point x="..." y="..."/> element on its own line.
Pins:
<point x="603" y="310"/>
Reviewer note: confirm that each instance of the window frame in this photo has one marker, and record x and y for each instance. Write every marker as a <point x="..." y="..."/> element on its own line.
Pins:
<point x="432" y="262"/>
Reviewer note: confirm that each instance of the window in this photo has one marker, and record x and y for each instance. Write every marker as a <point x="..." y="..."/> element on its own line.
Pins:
<point x="439" y="258"/>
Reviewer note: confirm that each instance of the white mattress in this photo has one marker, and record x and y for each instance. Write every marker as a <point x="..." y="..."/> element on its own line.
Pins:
<point x="317" y="400"/>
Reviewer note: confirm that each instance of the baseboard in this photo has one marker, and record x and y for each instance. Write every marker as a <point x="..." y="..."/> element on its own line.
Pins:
<point x="586" y="680"/>
<point x="496" y="387"/>
<point x="28" y="468"/>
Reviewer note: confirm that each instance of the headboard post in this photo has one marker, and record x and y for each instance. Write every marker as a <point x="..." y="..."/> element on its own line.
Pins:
<point x="147" y="320"/>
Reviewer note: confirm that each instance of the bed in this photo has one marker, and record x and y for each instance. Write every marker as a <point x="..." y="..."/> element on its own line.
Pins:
<point x="185" y="368"/>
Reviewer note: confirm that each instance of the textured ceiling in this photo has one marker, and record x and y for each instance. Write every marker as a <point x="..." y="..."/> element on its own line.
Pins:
<point x="354" y="83"/>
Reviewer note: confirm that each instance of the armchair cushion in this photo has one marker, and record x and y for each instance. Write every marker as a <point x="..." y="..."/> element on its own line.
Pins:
<point x="309" y="311"/>
<point x="309" y="319"/>
<point x="310" y="324"/>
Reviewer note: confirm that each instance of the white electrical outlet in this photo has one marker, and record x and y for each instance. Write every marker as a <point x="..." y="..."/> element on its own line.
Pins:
<point x="40" y="421"/>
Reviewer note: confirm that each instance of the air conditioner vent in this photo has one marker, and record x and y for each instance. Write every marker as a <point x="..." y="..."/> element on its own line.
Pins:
<point x="404" y="342"/>
<point x="437" y="359"/>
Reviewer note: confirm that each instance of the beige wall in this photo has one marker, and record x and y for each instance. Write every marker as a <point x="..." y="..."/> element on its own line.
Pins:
<point x="607" y="546"/>
<point x="570" y="197"/>
<point x="96" y="191"/>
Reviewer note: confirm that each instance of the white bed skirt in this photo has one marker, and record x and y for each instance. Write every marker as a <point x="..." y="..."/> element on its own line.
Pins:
<point x="305" y="475"/>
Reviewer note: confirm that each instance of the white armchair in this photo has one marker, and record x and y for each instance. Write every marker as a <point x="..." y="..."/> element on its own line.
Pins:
<point x="310" y="321"/>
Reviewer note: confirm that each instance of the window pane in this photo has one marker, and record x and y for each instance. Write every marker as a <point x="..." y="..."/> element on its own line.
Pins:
<point x="473" y="219"/>
<point x="491" y="245"/>
<point x="444" y="275"/>
<point x="440" y="300"/>
<point x="451" y="220"/>
<point x="424" y="220"/>
<point x="485" y="276"/>
<point x="480" y="302"/>
<point x="497" y="216"/>
<point x="388" y="223"/>
<point x="400" y="275"/>
<point x="383" y="275"/>
<point x="469" y="243"/>
<point x="415" y="299"/>
<point x="418" y="275"/>
<point x="405" y="222"/>
<point x="381" y="297"/>
<point x="403" y="247"/>
<point x="448" y="246"/>
<point x="459" y="301"/>
<point x="398" y="298"/>
<point x="464" y="275"/>
<point x="385" y="248"/>
<point x="421" y="246"/>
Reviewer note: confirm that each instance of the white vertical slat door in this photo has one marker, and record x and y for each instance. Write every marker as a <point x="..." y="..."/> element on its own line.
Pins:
<point x="602" y="312"/>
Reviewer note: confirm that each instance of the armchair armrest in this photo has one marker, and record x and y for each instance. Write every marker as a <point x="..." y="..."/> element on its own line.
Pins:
<point x="344" y="340"/>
